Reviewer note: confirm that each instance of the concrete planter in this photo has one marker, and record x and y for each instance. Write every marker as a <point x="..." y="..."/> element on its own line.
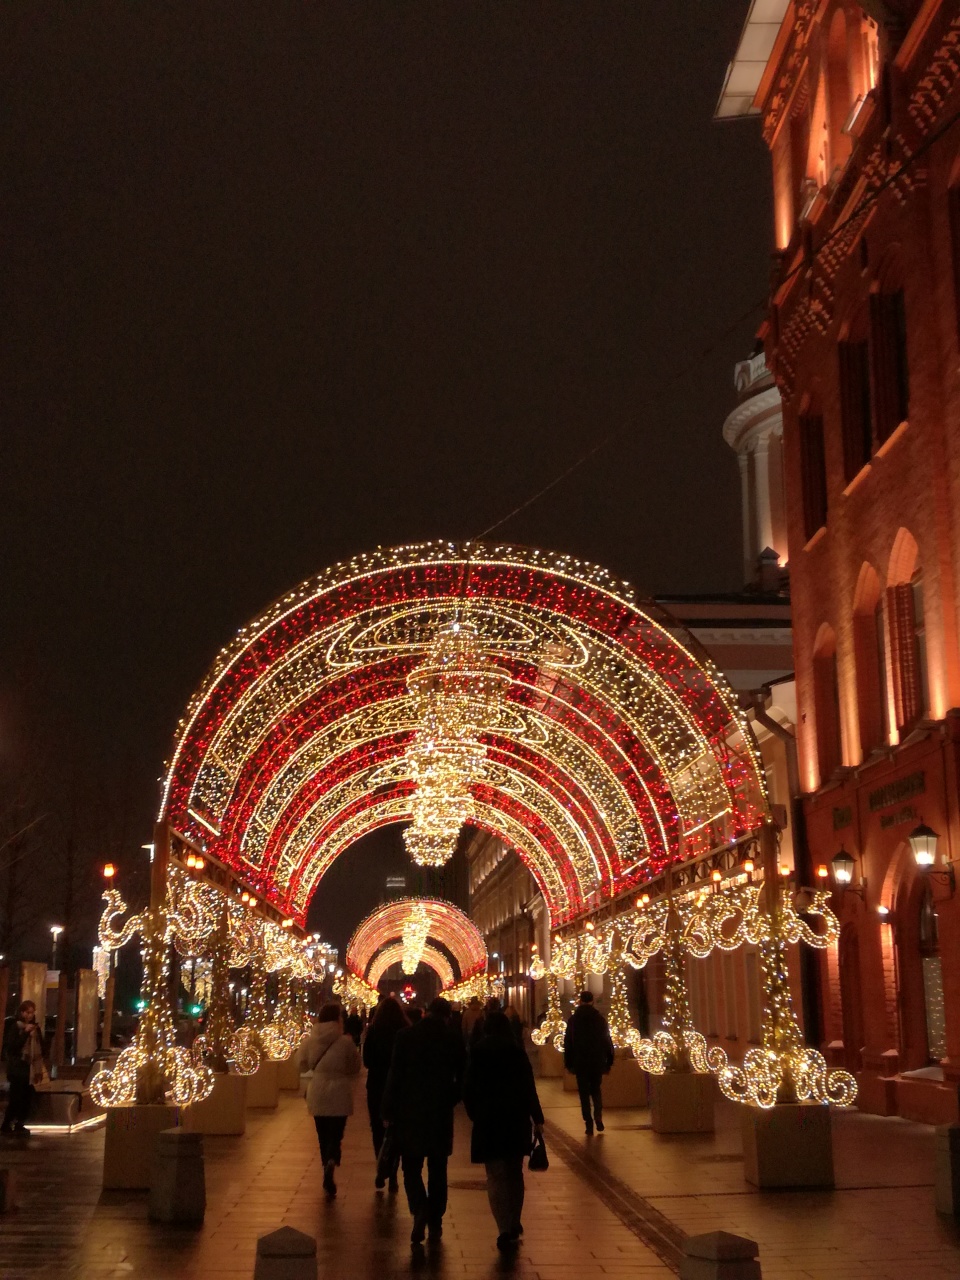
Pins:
<point x="788" y="1146"/>
<point x="130" y="1143"/>
<point x="224" y="1113"/>
<point x="682" y="1102"/>
<point x="263" y="1088"/>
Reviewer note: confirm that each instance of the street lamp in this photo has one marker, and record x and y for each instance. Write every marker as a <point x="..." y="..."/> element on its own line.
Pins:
<point x="923" y="841"/>
<point x="56" y="930"/>
<point x="842" y="865"/>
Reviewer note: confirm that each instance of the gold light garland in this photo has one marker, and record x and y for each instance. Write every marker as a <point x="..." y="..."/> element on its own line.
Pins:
<point x="154" y="1063"/>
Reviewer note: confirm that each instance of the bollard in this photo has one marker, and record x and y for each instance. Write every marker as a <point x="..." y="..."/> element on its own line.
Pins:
<point x="177" y="1186"/>
<point x="720" y="1256"/>
<point x="8" y="1191"/>
<point x="286" y="1255"/>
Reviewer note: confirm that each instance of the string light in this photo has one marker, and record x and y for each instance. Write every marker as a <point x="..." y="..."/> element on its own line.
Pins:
<point x="448" y="927"/>
<point x="611" y="733"/>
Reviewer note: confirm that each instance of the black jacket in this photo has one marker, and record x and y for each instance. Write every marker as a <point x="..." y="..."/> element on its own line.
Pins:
<point x="15" y="1034"/>
<point x="377" y="1056"/>
<point x="500" y="1096"/>
<point x="423" y="1087"/>
<point x="587" y="1047"/>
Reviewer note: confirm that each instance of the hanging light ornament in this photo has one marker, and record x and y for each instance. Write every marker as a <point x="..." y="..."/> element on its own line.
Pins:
<point x="457" y="696"/>
<point x="415" y="934"/>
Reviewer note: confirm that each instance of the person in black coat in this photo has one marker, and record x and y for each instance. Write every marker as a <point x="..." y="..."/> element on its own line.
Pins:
<point x="23" y="1059"/>
<point x="588" y="1053"/>
<point x="388" y="1020"/>
<point x="422" y="1089"/>
<point x="501" y="1099"/>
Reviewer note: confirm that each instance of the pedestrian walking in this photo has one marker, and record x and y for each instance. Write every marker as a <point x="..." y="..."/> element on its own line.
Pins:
<point x="423" y="1087"/>
<point x="23" y="1059"/>
<point x="500" y="1096"/>
<point x="335" y="1061"/>
<point x="471" y="1016"/>
<point x="388" y="1020"/>
<point x="588" y="1053"/>
<point x="353" y="1026"/>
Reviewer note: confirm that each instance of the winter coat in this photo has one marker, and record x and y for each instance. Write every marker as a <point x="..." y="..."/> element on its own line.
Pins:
<point x="22" y="1049"/>
<point x="587" y="1047"/>
<point x="500" y="1096"/>
<point x="423" y="1087"/>
<point x="377" y="1056"/>
<point x="334" y="1060"/>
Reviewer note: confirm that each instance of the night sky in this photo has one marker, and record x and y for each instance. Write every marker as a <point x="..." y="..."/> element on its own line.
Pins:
<point x="283" y="282"/>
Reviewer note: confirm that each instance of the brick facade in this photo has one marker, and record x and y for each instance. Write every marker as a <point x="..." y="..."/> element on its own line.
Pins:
<point x="864" y="340"/>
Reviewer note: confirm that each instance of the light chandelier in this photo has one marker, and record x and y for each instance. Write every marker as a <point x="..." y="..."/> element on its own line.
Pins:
<point x="457" y="695"/>
<point x="416" y="930"/>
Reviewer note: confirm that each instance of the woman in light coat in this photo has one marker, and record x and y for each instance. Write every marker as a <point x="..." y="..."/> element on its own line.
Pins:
<point x="335" y="1062"/>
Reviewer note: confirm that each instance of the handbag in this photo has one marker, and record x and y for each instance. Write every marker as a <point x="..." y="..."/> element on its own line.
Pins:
<point x="388" y="1158"/>
<point x="538" y="1161"/>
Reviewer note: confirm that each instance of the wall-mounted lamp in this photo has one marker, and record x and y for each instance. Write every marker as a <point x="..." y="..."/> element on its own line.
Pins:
<point x="923" y="841"/>
<point x="843" y="865"/>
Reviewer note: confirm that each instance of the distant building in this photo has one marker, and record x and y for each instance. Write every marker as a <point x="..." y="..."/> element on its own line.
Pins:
<point x="864" y="341"/>
<point x="748" y="636"/>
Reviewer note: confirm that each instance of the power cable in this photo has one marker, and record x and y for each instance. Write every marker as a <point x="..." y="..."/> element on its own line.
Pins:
<point x="868" y="200"/>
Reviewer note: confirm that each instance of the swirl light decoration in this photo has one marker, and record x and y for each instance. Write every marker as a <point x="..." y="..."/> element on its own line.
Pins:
<point x="606" y="734"/>
<point x="453" y="935"/>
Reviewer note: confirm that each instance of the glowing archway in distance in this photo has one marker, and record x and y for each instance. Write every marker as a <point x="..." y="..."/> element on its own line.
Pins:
<point x="393" y="954"/>
<point x="618" y="747"/>
<point x="448" y="928"/>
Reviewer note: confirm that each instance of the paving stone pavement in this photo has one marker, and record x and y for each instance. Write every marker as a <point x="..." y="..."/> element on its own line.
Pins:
<point x="588" y="1216"/>
<point x="879" y="1224"/>
<point x="271" y="1177"/>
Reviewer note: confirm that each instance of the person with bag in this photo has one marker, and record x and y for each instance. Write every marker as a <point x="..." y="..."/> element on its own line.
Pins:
<point x="377" y="1055"/>
<point x="588" y="1054"/>
<point x="335" y="1061"/>
<point x="23" y="1058"/>
<point x="422" y="1089"/>
<point x="500" y="1096"/>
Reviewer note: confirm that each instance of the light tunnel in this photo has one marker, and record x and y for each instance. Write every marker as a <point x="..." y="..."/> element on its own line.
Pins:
<point x="618" y="746"/>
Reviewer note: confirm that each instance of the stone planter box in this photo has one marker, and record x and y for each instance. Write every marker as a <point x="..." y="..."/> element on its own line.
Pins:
<point x="788" y="1146"/>
<point x="224" y="1113"/>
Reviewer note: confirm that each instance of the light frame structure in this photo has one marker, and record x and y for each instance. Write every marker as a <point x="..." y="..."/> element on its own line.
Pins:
<point x="618" y="748"/>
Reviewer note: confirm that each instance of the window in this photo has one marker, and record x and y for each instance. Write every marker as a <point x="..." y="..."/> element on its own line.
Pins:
<point x="891" y="384"/>
<point x="855" y="400"/>
<point x="827" y="703"/>
<point x="813" y="473"/>
<point x="909" y="645"/>
<point x="870" y="655"/>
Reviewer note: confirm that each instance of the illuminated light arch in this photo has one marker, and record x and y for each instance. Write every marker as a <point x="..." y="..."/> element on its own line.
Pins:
<point x="448" y="928"/>
<point x="431" y="957"/>
<point x="618" y="747"/>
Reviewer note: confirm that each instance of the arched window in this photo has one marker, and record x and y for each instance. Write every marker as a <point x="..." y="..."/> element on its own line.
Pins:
<point x="827" y="702"/>
<point x="856" y="413"/>
<point x="869" y="641"/>
<point x="813" y="469"/>
<point x="908" y="640"/>
<point x="888" y="354"/>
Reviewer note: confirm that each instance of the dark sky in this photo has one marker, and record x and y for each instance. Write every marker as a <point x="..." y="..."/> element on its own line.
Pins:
<point x="282" y="282"/>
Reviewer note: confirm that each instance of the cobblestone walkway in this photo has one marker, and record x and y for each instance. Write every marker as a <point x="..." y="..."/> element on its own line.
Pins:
<point x="618" y="1204"/>
<point x="880" y="1223"/>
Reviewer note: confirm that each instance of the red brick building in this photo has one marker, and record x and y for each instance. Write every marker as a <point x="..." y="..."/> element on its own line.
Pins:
<point x="860" y="107"/>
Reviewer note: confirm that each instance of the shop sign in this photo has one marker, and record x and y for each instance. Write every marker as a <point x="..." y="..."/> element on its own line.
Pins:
<point x="914" y="784"/>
